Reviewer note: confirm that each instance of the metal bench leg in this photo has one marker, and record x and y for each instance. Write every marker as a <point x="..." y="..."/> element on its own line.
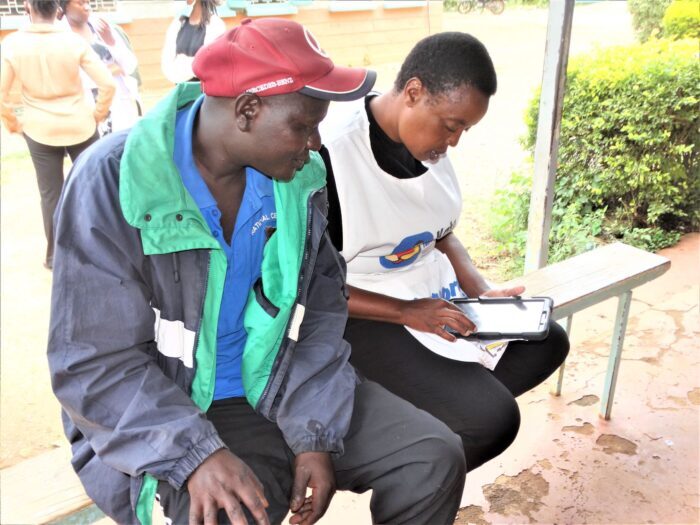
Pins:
<point x="556" y="391"/>
<point x="618" y="339"/>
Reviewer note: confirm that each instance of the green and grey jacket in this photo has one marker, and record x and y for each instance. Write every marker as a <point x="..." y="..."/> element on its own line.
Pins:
<point x="137" y="287"/>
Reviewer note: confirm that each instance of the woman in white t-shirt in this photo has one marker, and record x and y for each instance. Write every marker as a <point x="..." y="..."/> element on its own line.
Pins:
<point x="195" y="27"/>
<point x="394" y="202"/>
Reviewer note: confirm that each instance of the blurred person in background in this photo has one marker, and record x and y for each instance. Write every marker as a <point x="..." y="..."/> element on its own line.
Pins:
<point x="45" y="60"/>
<point x="196" y="26"/>
<point x="112" y="48"/>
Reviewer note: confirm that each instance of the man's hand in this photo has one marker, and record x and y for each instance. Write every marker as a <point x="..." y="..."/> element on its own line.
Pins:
<point x="504" y="292"/>
<point x="223" y="481"/>
<point x="434" y="315"/>
<point x="315" y="470"/>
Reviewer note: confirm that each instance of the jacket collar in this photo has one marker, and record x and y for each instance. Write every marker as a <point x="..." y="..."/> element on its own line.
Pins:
<point x="151" y="193"/>
<point x="153" y="198"/>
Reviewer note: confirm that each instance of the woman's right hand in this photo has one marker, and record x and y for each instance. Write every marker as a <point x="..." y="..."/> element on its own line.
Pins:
<point x="433" y="316"/>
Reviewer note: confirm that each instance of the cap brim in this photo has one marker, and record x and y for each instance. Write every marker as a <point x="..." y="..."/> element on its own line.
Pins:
<point x="341" y="84"/>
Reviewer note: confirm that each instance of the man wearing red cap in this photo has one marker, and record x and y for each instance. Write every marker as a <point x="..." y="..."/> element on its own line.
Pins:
<point x="198" y="310"/>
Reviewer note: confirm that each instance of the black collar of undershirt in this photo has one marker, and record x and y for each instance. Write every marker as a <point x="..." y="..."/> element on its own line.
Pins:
<point x="392" y="157"/>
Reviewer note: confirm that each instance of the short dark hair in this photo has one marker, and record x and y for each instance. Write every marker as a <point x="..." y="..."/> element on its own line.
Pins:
<point x="446" y="61"/>
<point x="45" y="8"/>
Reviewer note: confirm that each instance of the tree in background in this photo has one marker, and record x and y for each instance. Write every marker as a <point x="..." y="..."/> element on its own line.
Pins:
<point x="647" y="16"/>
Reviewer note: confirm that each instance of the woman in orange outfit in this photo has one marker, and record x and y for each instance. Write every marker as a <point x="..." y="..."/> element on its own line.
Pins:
<point x="45" y="59"/>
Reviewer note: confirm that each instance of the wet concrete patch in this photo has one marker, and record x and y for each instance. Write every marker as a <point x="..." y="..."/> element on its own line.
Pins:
<point x="613" y="444"/>
<point x="694" y="396"/>
<point x="545" y="464"/>
<point x="678" y="400"/>
<point x="586" y="429"/>
<point x="691" y="321"/>
<point x="471" y="515"/>
<point x="639" y="496"/>
<point x="519" y="495"/>
<point x="656" y="328"/>
<point x="585" y="401"/>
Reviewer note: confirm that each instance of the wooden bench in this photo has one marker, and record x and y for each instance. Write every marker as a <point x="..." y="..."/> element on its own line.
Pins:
<point x="43" y="489"/>
<point x="613" y="270"/>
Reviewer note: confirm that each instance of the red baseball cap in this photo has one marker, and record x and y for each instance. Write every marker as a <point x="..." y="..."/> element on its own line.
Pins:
<point x="273" y="56"/>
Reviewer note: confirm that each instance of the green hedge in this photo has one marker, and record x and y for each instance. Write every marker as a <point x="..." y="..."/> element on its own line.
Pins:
<point x="629" y="154"/>
<point x="682" y="19"/>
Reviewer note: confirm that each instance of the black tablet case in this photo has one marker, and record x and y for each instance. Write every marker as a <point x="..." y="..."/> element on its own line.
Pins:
<point x="516" y="319"/>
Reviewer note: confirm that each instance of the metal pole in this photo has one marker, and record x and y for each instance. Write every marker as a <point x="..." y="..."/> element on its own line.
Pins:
<point x="556" y="57"/>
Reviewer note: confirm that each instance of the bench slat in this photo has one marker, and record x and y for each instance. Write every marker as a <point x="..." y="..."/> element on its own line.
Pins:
<point x="41" y="489"/>
<point x="592" y="277"/>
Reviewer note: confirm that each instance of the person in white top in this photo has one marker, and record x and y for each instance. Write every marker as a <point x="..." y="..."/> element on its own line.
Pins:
<point x="195" y="27"/>
<point x="394" y="201"/>
<point x="113" y="50"/>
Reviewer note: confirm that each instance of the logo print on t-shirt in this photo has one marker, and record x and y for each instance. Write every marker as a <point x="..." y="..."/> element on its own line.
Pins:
<point x="407" y="251"/>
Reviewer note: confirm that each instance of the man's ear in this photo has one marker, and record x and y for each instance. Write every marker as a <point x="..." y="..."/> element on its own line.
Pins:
<point x="247" y="108"/>
<point x="413" y="91"/>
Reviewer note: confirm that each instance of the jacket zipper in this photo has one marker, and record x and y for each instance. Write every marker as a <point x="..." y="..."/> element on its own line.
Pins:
<point x="285" y="342"/>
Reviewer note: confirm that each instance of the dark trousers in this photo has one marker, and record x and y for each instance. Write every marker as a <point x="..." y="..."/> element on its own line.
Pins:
<point x="413" y="463"/>
<point x="48" y="165"/>
<point x="477" y="404"/>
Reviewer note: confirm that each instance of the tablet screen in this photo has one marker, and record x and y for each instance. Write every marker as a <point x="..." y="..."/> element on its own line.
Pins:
<point x="512" y="317"/>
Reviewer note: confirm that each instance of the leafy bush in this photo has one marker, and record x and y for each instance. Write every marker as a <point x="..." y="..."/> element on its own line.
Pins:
<point x="646" y="16"/>
<point x="508" y="216"/>
<point x="449" y="5"/>
<point x="629" y="154"/>
<point x="682" y="19"/>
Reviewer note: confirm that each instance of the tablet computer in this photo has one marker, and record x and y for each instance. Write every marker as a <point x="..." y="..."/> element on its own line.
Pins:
<point x="508" y="317"/>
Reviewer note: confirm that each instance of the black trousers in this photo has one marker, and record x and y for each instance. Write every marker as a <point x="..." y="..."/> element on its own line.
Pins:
<point x="477" y="404"/>
<point x="48" y="165"/>
<point x="411" y="461"/>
